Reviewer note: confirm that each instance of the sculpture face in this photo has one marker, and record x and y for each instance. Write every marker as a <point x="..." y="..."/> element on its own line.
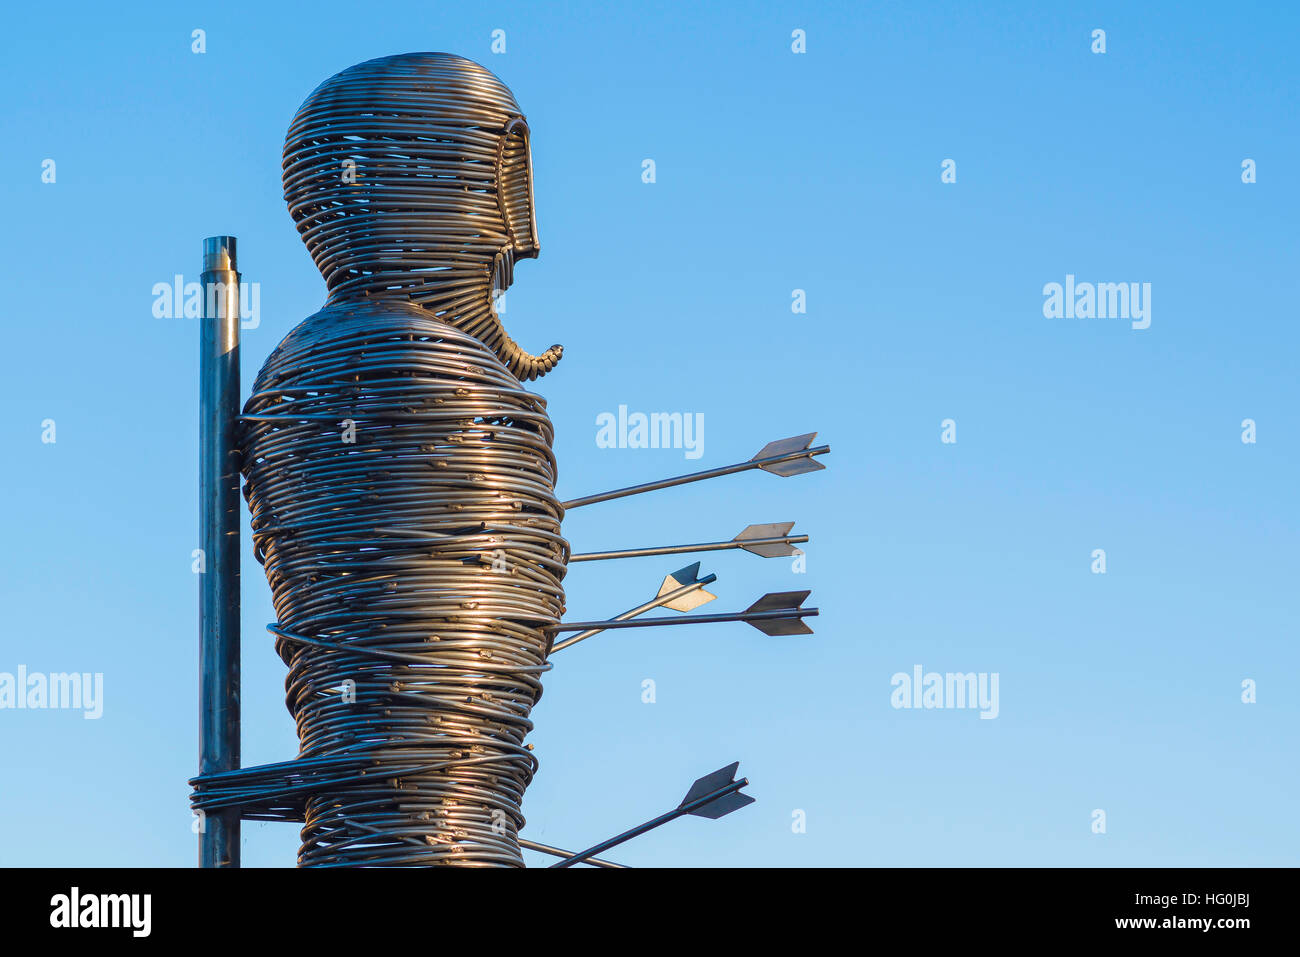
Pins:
<point x="410" y="177"/>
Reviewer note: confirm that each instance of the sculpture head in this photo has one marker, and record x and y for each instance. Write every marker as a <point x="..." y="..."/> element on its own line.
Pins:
<point x="410" y="177"/>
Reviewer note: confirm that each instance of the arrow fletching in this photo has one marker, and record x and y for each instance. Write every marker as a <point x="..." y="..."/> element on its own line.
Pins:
<point x="770" y="530"/>
<point x="781" y="601"/>
<point x="692" y="599"/>
<point x="785" y="447"/>
<point x="723" y="804"/>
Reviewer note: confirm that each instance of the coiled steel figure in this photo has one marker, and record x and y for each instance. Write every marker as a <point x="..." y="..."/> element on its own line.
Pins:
<point x="401" y="480"/>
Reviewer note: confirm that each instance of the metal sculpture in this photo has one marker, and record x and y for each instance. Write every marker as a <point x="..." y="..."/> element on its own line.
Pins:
<point x="401" y="483"/>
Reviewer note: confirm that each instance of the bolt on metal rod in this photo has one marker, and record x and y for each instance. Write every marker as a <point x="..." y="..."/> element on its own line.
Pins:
<point x="219" y="513"/>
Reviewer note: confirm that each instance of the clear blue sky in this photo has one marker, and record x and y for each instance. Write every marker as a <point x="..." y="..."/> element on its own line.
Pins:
<point x="775" y="172"/>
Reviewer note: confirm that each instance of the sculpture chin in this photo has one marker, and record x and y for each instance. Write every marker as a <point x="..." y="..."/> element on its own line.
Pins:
<point x="521" y="363"/>
<point x="525" y="365"/>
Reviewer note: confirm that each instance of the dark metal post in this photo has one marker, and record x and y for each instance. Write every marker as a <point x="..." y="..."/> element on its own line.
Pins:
<point x="219" y="523"/>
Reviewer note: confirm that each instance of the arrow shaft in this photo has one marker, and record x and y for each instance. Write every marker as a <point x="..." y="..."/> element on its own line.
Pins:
<point x="679" y="549"/>
<point x="690" y="619"/>
<point x="652" y="824"/>
<point x="694" y="477"/>
<point x="561" y="852"/>
<point x="598" y="626"/>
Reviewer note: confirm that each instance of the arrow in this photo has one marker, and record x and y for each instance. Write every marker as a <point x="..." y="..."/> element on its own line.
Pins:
<point x="683" y="590"/>
<point x="770" y="541"/>
<point x="713" y="796"/>
<point x="776" y="613"/>
<point x="783" y="457"/>
<point x="771" y="614"/>
<point x="560" y="852"/>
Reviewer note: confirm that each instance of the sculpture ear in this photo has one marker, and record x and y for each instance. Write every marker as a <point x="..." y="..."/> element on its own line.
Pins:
<point x="515" y="189"/>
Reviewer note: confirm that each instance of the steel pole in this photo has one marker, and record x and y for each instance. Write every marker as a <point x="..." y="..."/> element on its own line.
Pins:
<point x="219" y="525"/>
